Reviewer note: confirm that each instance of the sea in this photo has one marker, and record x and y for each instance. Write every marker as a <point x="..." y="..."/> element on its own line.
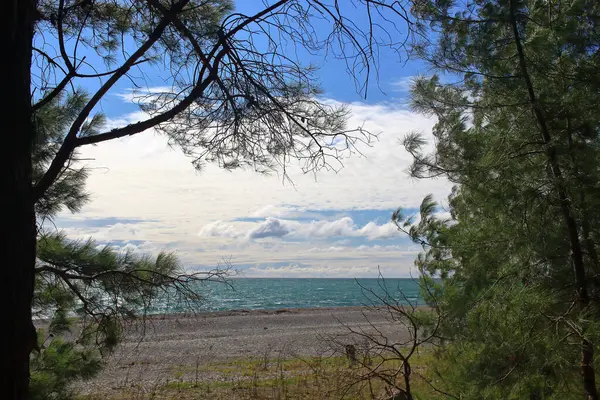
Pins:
<point x="277" y="293"/>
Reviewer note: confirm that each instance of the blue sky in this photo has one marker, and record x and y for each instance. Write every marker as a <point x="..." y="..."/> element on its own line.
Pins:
<point x="337" y="83"/>
<point x="146" y="196"/>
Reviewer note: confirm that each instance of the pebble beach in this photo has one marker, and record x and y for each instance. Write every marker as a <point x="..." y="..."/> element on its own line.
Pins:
<point x="151" y="351"/>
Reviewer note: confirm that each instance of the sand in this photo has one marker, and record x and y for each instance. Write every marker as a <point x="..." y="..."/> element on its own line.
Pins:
<point x="188" y="344"/>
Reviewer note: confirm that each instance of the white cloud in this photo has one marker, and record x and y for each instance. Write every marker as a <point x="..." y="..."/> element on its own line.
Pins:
<point x="122" y="229"/>
<point x="140" y="177"/>
<point x="443" y="215"/>
<point x="285" y="211"/>
<point x="336" y="248"/>
<point x="374" y="231"/>
<point x="272" y="227"/>
<point x="144" y="95"/>
<point x="340" y="227"/>
<point x="331" y="248"/>
<point x="279" y="228"/>
<point x="271" y="210"/>
<point x="327" y="271"/>
<point x="118" y="231"/>
<point x="140" y="248"/>
<point x="219" y="229"/>
<point x="404" y="83"/>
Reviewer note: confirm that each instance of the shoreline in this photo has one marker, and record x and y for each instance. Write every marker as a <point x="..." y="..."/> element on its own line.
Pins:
<point x="250" y="312"/>
<point x="267" y="311"/>
<point x="244" y="312"/>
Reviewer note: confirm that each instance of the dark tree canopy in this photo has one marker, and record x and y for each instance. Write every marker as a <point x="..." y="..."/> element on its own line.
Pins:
<point x="516" y="100"/>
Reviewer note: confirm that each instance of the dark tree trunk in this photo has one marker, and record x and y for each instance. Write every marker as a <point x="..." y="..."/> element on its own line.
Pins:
<point x="18" y="228"/>
<point x="407" y="373"/>
<point x="567" y="210"/>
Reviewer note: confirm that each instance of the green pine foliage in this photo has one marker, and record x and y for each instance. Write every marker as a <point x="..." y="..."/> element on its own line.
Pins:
<point x="517" y="133"/>
<point x="52" y="122"/>
<point x="85" y="292"/>
<point x="59" y="362"/>
<point x="101" y="286"/>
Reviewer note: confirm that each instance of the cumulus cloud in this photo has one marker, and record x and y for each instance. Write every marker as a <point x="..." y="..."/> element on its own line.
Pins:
<point x="340" y="227"/>
<point x="272" y="227"/>
<point x="122" y="229"/>
<point x="376" y="232"/>
<point x="219" y="229"/>
<point x="280" y="228"/>
<point x="199" y="213"/>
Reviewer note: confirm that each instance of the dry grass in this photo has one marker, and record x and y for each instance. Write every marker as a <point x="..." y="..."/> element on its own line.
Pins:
<point x="274" y="379"/>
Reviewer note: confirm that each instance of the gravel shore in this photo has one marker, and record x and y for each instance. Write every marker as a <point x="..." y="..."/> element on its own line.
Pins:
<point x="189" y="343"/>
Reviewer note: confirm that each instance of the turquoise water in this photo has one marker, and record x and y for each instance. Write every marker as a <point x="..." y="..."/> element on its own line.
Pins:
<point x="271" y="293"/>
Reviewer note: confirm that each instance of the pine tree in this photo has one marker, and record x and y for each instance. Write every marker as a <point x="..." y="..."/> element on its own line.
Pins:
<point x="517" y="133"/>
<point x="86" y="292"/>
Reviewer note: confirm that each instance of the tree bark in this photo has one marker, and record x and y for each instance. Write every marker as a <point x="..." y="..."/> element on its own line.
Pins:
<point x="406" y="374"/>
<point x="18" y="229"/>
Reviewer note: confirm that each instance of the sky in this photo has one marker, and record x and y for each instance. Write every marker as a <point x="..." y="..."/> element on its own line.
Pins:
<point x="147" y="197"/>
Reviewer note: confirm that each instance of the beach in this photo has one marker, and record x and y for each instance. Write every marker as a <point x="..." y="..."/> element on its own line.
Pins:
<point x="184" y="347"/>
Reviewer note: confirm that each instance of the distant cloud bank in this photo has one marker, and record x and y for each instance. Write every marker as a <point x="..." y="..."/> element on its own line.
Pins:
<point x="283" y="228"/>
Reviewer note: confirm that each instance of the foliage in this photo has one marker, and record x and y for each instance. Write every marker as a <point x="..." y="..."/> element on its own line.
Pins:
<point x="88" y="294"/>
<point x="517" y="134"/>
<point x="235" y="90"/>
<point x="58" y="363"/>
<point x="85" y="291"/>
<point x="51" y="122"/>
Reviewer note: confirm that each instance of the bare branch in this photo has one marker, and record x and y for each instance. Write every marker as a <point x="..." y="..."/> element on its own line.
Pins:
<point x="70" y="141"/>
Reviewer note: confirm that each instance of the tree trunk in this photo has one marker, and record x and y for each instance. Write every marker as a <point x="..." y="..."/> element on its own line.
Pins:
<point x="567" y="210"/>
<point x="406" y="374"/>
<point x="18" y="228"/>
